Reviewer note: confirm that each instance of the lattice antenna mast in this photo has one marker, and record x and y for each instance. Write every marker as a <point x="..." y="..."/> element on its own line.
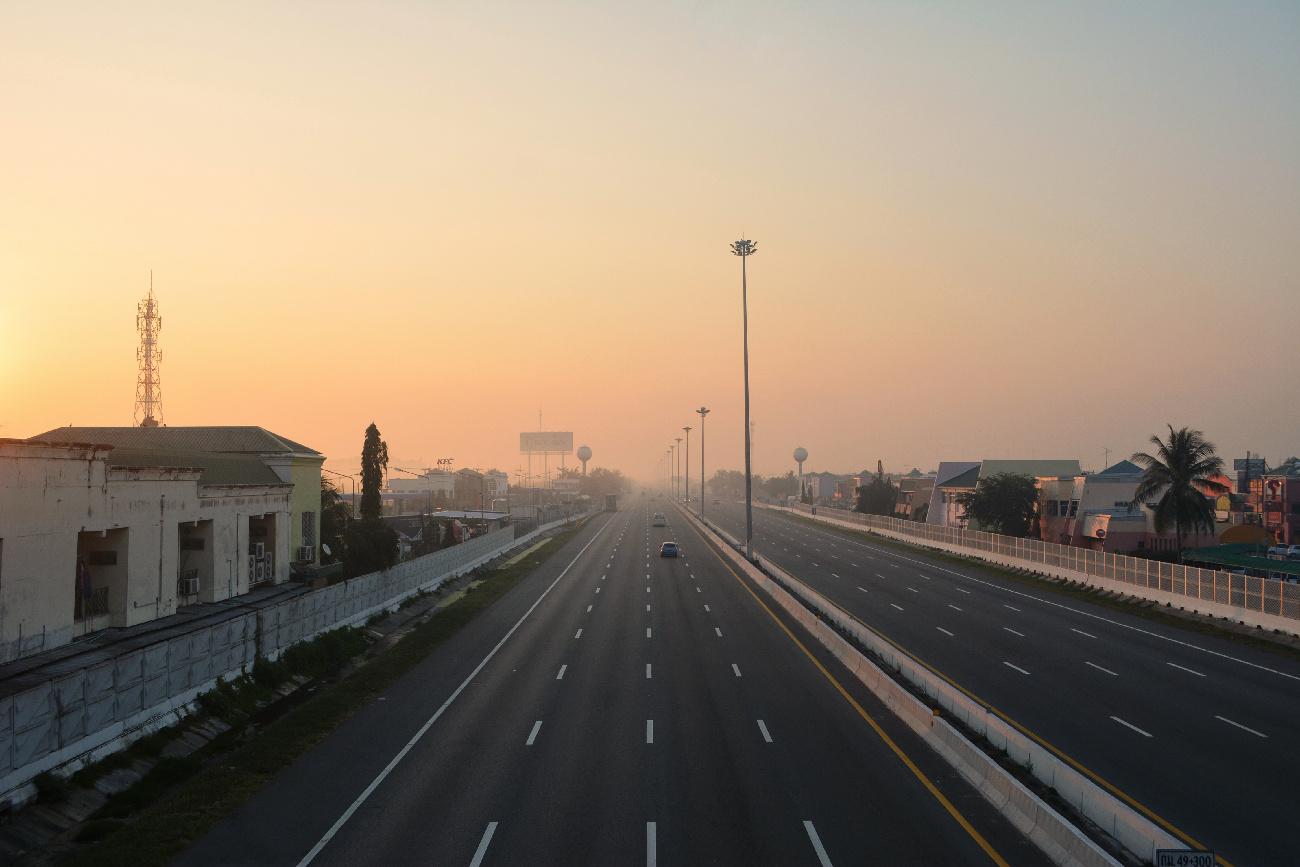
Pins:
<point x="148" y="356"/>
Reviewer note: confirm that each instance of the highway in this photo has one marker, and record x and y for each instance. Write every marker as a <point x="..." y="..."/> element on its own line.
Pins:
<point x="616" y="708"/>
<point x="1198" y="728"/>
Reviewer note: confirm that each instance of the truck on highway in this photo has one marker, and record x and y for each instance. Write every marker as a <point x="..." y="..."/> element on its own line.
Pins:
<point x="611" y="502"/>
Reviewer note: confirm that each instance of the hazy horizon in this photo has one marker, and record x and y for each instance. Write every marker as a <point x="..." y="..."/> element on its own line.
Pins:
<point x="1005" y="231"/>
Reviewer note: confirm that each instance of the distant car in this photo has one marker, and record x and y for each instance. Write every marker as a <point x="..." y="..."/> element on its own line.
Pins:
<point x="668" y="549"/>
<point x="1287" y="552"/>
<point x="659" y="520"/>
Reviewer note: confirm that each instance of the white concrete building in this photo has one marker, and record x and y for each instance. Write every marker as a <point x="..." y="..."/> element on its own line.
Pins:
<point x="91" y="539"/>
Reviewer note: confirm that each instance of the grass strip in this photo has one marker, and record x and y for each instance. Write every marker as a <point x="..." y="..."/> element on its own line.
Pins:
<point x="180" y="813"/>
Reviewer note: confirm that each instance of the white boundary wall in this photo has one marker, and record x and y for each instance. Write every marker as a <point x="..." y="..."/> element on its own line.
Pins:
<point x="74" y="719"/>
<point x="1048" y="829"/>
<point x="1263" y="602"/>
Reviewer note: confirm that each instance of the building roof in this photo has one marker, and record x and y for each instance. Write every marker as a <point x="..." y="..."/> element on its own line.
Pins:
<point x="1240" y="556"/>
<point x="217" y="469"/>
<point x="248" y="439"/>
<point x="963" y="480"/>
<point x="1035" y="468"/>
<point x="1123" y="468"/>
<point x="951" y="469"/>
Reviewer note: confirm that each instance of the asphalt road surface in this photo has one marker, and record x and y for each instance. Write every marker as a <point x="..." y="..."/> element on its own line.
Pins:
<point x="619" y="708"/>
<point x="1200" y="729"/>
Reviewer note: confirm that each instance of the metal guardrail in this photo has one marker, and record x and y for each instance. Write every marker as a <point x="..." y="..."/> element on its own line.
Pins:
<point x="1247" y="592"/>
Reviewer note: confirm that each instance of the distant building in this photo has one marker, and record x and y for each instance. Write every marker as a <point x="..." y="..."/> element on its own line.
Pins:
<point x="93" y="536"/>
<point x="913" y="492"/>
<point x="1097" y="511"/>
<point x="952" y="479"/>
<point x="1276" y="497"/>
<point x="292" y="462"/>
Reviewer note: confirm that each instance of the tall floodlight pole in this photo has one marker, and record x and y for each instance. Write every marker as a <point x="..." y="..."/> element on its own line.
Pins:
<point x="677" y="480"/>
<point x="686" y="477"/>
<point x="668" y="456"/>
<point x="703" y="411"/>
<point x="745" y="248"/>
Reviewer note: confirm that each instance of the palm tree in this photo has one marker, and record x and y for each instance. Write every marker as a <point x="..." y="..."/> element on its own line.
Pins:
<point x="1181" y="473"/>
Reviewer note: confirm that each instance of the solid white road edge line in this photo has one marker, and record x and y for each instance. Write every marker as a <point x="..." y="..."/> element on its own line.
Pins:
<point x="415" y="738"/>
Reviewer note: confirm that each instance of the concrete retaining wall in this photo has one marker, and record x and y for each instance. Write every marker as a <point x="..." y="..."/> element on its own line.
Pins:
<point x="75" y="719"/>
<point x="1050" y="831"/>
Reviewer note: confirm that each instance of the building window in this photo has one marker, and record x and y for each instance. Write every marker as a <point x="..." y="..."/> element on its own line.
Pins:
<point x="309" y="529"/>
<point x="1074" y="508"/>
<point x="1051" y="508"/>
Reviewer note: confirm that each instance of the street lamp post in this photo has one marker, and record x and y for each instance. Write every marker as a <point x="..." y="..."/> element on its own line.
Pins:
<point x="745" y="248"/>
<point x="352" y="504"/>
<point x="703" y="411"/>
<point x="677" y="480"/>
<point x="687" y="476"/>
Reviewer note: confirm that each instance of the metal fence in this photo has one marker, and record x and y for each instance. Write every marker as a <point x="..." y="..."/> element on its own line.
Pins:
<point x="1248" y="592"/>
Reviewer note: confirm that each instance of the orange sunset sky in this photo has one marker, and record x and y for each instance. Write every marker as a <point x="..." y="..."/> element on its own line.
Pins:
<point x="985" y="230"/>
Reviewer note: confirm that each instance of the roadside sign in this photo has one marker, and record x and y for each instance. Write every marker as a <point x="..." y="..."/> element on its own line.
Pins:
<point x="1184" y="858"/>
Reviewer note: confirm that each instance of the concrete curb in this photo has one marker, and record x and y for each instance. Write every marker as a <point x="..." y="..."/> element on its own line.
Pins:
<point x="1055" y="835"/>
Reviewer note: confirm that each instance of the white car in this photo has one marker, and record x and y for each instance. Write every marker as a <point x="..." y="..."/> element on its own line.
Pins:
<point x="1286" y="552"/>
<point x="659" y="520"/>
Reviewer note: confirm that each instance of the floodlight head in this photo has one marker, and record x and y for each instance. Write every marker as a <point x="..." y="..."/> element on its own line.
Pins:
<point x="744" y="247"/>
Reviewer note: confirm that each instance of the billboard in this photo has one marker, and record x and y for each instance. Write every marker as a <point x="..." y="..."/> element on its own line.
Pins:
<point x="546" y="442"/>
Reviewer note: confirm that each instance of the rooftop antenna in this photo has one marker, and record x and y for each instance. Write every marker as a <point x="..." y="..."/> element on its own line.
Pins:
<point x="148" y="386"/>
<point x="1106" y="462"/>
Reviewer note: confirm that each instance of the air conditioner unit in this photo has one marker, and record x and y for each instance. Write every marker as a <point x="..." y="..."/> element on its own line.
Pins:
<point x="252" y="567"/>
<point x="306" y="553"/>
<point x="189" y="586"/>
<point x="261" y="571"/>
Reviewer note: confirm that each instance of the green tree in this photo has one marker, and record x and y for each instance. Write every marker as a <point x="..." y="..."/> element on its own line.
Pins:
<point x="334" y="519"/>
<point x="1006" y="503"/>
<point x="374" y="462"/>
<point x="601" y="481"/>
<point x="369" y="544"/>
<point x="727" y="483"/>
<point x="878" y="496"/>
<point x="1181" y="473"/>
<point x="780" y="487"/>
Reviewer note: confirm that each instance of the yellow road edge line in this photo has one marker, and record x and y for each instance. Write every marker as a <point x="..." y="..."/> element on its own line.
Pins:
<point x="1042" y="742"/>
<point x="862" y="712"/>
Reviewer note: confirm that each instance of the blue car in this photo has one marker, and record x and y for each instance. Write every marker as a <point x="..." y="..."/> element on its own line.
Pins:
<point x="668" y="549"/>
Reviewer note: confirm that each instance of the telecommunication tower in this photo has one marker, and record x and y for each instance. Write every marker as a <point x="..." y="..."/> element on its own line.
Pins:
<point x="148" y="387"/>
